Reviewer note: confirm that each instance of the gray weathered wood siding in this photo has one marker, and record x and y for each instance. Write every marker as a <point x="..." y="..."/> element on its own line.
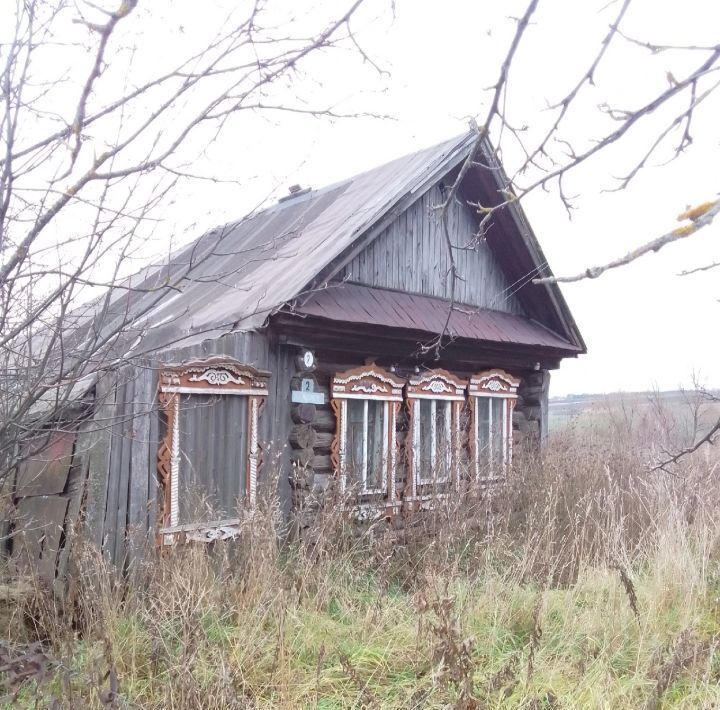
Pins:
<point x="410" y="255"/>
<point x="122" y="451"/>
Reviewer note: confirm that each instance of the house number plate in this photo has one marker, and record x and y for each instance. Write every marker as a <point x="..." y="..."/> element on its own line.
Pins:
<point x="307" y="394"/>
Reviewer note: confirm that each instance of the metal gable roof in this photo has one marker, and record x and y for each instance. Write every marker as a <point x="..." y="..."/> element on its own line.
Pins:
<point x="235" y="276"/>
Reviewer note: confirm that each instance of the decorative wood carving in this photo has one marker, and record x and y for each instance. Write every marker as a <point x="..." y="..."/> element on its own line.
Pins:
<point x="211" y="534"/>
<point x="337" y="448"/>
<point x="457" y="409"/>
<point x="436" y="384"/>
<point x="254" y="405"/>
<point x="494" y="383"/>
<point x="394" y="453"/>
<point x="367" y="381"/>
<point x="217" y="376"/>
<point x="169" y="405"/>
<point x="221" y="530"/>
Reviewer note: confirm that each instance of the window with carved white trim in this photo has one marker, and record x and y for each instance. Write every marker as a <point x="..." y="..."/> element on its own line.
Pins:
<point x="209" y="455"/>
<point x="366" y="402"/>
<point x="492" y="399"/>
<point x="435" y="400"/>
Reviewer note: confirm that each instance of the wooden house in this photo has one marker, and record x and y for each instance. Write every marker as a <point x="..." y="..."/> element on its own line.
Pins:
<point x="298" y="349"/>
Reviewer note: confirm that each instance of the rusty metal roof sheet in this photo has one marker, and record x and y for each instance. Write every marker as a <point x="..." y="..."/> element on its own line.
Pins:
<point x="353" y="303"/>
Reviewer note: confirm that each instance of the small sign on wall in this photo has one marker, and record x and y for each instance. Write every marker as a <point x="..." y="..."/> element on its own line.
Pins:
<point x="307" y="394"/>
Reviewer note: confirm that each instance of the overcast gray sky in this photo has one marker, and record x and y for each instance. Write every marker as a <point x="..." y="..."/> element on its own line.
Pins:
<point x="645" y="326"/>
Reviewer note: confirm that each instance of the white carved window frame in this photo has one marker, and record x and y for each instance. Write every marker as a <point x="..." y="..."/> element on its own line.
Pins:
<point x="368" y="383"/>
<point x="483" y="388"/>
<point x="441" y="389"/>
<point x="215" y="376"/>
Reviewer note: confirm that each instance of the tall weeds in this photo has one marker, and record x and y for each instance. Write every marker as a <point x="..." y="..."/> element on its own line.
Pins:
<point x="581" y="582"/>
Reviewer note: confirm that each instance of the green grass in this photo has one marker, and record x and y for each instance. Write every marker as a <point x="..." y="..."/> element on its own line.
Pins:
<point x="365" y="646"/>
<point x="533" y="615"/>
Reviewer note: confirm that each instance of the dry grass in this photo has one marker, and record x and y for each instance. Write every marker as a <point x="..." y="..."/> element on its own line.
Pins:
<point x="584" y="582"/>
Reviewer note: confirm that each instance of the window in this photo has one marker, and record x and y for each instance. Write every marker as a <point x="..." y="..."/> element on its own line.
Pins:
<point x="435" y="400"/>
<point x="366" y="401"/>
<point x="209" y="457"/>
<point x="492" y="399"/>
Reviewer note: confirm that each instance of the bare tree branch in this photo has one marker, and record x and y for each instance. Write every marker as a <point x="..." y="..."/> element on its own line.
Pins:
<point x="708" y="438"/>
<point x="698" y="217"/>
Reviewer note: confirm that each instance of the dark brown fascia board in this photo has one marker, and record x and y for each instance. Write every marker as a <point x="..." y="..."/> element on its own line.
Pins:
<point x="316" y="332"/>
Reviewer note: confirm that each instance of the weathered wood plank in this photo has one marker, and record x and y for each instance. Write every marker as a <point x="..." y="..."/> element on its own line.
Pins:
<point x="46" y="463"/>
<point x="95" y="444"/>
<point x="139" y="460"/>
<point x="74" y="492"/>
<point x="120" y="553"/>
<point x="40" y="522"/>
<point x="410" y="255"/>
<point x="153" y="484"/>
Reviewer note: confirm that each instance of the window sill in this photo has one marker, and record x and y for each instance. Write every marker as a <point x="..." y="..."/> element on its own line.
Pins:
<point x="200" y="532"/>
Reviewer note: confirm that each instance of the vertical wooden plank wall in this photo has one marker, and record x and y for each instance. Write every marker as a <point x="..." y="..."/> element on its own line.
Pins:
<point x="277" y="422"/>
<point x="95" y="443"/>
<point x="123" y="486"/>
<point x="123" y="475"/>
<point x="144" y="410"/>
<point x="121" y="490"/>
<point x="410" y="255"/>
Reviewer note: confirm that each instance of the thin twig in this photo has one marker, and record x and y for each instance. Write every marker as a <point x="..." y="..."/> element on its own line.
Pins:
<point x="700" y="216"/>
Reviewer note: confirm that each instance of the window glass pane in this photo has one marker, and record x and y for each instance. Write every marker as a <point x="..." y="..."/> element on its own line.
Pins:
<point x="375" y="443"/>
<point x="213" y="456"/>
<point x="483" y="433"/>
<point x="355" y="439"/>
<point x="434" y="440"/>
<point x="496" y="435"/>
<point x="443" y="439"/>
<point x="424" y="461"/>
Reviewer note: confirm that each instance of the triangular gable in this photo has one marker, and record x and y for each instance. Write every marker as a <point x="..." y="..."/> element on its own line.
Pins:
<point x="509" y="236"/>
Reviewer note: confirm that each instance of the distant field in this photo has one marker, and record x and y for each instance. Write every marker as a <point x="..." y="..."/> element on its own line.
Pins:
<point x="679" y="415"/>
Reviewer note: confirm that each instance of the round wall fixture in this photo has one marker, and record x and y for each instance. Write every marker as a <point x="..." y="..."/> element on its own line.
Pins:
<point x="305" y="360"/>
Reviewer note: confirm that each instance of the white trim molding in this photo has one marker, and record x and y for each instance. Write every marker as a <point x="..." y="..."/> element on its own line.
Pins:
<point x="215" y="376"/>
<point x="367" y="384"/>
<point x="485" y="388"/>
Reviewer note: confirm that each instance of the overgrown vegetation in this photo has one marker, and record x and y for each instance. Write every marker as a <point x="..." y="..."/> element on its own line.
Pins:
<point x="585" y="582"/>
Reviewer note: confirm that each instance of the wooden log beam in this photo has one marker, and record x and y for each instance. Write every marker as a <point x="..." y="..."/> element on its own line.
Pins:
<point x="303" y="413"/>
<point x="322" y="463"/>
<point x="323" y="441"/>
<point x="302" y="436"/>
<point x="324" y="421"/>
